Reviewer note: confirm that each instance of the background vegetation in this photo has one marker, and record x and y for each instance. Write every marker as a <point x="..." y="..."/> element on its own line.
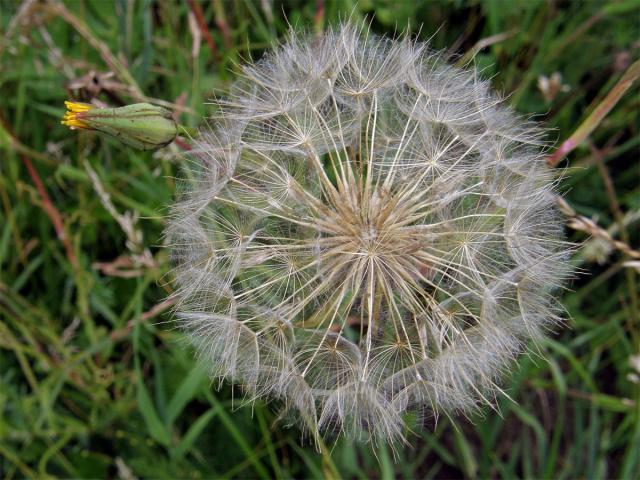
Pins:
<point x="95" y="381"/>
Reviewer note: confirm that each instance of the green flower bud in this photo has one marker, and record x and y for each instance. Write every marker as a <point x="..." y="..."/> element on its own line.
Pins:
<point x="141" y="125"/>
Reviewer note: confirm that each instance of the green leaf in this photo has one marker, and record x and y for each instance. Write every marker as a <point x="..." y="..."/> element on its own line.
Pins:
<point x="468" y="462"/>
<point x="185" y="392"/>
<point x="155" y="427"/>
<point x="193" y="433"/>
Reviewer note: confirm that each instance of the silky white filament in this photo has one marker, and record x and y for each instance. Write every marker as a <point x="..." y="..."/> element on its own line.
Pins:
<point x="365" y="231"/>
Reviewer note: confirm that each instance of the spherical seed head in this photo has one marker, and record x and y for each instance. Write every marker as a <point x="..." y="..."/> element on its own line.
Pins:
<point x="365" y="231"/>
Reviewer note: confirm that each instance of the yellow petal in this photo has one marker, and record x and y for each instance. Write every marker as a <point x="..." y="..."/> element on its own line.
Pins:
<point x="78" y="106"/>
<point x="70" y="118"/>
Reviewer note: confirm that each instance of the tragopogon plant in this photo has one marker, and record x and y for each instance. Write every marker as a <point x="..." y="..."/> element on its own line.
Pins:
<point x="365" y="232"/>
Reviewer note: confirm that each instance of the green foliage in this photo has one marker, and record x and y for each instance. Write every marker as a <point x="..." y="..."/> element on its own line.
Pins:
<point x="96" y="381"/>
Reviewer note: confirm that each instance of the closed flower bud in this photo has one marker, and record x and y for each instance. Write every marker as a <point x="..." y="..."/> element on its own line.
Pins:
<point x="141" y="125"/>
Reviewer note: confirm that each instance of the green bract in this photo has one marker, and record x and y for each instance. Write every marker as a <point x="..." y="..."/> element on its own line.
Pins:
<point x="141" y="125"/>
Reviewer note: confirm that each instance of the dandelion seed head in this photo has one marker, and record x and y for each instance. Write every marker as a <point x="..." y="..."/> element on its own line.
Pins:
<point x="365" y="232"/>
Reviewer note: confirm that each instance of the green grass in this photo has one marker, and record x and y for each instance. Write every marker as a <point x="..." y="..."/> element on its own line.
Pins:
<point x="96" y="381"/>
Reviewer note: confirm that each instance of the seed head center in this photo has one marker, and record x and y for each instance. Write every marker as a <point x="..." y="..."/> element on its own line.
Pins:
<point x="365" y="227"/>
